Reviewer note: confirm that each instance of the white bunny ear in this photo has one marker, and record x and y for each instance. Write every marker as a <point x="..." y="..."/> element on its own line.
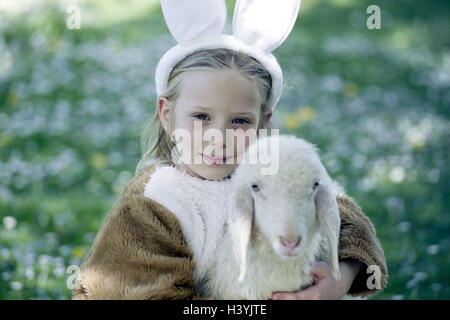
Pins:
<point x="194" y="20"/>
<point x="264" y="23"/>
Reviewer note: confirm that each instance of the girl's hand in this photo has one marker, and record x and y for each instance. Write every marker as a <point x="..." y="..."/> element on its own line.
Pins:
<point x="325" y="287"/>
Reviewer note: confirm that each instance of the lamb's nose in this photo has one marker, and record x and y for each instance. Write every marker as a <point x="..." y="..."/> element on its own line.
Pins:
<point x="290" y="241"/>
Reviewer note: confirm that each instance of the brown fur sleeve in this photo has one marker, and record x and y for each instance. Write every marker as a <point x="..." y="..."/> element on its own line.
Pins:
<point x="358" y="240"/>
<point x="139" y="253"/>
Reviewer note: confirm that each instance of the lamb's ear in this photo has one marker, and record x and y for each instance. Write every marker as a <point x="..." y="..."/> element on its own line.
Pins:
<point x="264" y="23"/>
<point x="240" y="225"/>
<point x="194" y="20"/>
<point x="327" y="212"/>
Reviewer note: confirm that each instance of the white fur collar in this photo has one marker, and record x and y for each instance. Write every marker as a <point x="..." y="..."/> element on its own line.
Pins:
<point x="201" y="206"/>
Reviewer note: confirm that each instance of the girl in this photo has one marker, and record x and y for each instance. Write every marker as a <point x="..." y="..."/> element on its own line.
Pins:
<point x="145" y="249"/>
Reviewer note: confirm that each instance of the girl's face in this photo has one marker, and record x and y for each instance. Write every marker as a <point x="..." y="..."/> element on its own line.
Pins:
<point x="216" y="99"/>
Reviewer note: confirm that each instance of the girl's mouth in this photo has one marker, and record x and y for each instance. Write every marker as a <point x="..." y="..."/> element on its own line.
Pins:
<point x="214" y="160"/>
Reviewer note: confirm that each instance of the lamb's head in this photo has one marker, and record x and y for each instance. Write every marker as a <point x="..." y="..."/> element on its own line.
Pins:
<point x="287" y="207"/>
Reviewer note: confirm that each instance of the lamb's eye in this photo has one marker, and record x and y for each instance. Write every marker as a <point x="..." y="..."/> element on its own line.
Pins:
<point x="255" y="187"/>
<point x="316" y="184"/>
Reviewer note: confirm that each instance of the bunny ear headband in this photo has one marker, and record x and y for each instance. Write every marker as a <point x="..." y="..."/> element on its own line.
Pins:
<point x="259" y="27"/>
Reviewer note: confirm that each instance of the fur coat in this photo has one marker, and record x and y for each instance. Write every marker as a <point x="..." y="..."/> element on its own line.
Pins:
<point x="154" y="243"/>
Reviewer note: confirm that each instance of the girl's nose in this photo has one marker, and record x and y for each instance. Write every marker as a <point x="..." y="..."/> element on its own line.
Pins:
<point x="221" y="128"/>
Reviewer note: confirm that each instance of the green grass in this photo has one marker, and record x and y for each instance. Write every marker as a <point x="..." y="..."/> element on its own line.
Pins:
<point x="375" y="102"/>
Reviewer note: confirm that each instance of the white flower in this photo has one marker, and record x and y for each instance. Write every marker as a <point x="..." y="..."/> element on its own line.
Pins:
<point x="16" y="285"/>
<point x="397" y="174"/>
<point x="9" y="222"/>
<point x="433" y="249"/>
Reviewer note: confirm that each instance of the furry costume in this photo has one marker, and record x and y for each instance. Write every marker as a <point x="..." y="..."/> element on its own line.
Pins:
<point x="142" y="249"/>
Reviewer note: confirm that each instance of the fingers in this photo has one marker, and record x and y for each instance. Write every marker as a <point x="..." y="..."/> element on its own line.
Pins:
<point x="285" y="296"/>
<point x="310" y="293"/>
<point x="318" y="291"/>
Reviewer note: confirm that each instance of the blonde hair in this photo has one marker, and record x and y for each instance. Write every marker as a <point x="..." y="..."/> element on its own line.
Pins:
<point x="155" y="142"/>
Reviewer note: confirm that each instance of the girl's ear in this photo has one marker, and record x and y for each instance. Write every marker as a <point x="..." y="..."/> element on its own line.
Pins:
<point x="164" y="112"/>
<point x="267" y="116"/>
<point x="327" y="211"/>
<point x="240" y="225"/>
<point x="194" y="20"/>
<point x="264" y="119"/>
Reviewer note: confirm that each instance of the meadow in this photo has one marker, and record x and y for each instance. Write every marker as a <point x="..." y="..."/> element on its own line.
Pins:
<point x="72" y="103"/>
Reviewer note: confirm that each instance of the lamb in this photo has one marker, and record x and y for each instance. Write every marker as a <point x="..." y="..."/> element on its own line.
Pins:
<point x="278" y="225"/>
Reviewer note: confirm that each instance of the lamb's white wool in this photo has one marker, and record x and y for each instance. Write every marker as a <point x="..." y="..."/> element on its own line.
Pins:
<point x="253" y="260"/>
<point x="200" y="206"/>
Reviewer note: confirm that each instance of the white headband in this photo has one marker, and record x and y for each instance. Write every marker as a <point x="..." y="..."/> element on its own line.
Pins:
<point x="259" y="27"/>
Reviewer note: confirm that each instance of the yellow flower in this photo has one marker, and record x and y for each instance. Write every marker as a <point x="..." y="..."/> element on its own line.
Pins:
<point x="295" y="121"/>
<point x="291" y="121"/>
<point x="13" y="98"/>
<point x="351" y="89"/>
<point x="306" y="114"/>
<point x="78" y="252"/>
<point x="4" y="140"/>
<point x="98" y="160"/>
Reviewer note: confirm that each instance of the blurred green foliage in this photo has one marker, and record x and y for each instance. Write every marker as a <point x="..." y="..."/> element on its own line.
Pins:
<point x="72" y="102"/>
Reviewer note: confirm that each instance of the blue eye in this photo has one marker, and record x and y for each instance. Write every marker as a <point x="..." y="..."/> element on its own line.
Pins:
<point x="201" y="116"/>
<point x="242" y="121"/>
